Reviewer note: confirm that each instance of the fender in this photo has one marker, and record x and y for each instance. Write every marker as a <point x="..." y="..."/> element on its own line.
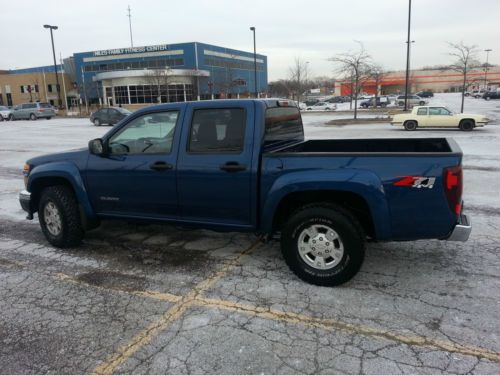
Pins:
<point x="362" y="182"/>
<point x="70" y="172"/>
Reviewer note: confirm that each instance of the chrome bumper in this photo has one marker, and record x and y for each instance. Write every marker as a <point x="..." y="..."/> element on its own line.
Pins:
<point x="25" y="201"/>
<point x="462" y="230"/>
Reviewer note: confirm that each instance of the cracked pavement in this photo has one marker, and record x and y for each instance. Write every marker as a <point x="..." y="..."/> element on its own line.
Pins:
<point x="152" y="299"/>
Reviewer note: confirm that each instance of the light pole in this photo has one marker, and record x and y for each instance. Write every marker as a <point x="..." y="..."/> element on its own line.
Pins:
<point x="486" y="68"/>
<point x="254" y="61"/>
<point x="58" y="88"/>
<point x="408" y="42"/>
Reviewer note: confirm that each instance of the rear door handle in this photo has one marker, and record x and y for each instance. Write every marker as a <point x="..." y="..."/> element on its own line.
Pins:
<point x="233" y="166"/>
<point x="161" y="166"/>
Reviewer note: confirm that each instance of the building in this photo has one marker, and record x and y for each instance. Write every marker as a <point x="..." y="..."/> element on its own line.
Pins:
<point x="138" y="76"/>
<point x="134" y="77"/>
<point x="426" y="80"/>
<point x="34" y="85"/>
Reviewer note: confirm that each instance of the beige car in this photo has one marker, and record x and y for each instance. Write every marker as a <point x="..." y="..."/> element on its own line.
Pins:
<point x="438" y="117"/>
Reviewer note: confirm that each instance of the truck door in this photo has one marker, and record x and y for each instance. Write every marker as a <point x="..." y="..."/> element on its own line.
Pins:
<point x="214" y="165"/>
<point x="137" y="176"/>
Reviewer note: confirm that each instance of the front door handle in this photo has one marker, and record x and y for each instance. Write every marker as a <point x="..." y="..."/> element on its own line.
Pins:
<point x="233" y="166"/>
<point x="161" y="166"/>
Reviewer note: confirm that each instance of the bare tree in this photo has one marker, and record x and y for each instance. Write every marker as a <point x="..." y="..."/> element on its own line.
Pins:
<point x="353" y="64"/>
<point x="298" y="75"/>
<point x="465" y="56"/>
<point x="376" y="73"/>
<point x="159" y="78"/>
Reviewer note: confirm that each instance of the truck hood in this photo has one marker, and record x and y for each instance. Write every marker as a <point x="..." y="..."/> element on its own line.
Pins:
<point x="77" y="156"/>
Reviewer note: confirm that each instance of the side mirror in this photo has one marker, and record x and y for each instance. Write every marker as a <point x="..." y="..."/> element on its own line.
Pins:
<point x="96" y="146"/>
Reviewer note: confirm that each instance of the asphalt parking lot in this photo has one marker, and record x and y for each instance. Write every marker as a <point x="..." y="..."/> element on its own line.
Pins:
<point x="150" y="299"/>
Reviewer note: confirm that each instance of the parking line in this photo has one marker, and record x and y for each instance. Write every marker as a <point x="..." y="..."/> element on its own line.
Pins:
<point x="173" y="313"/>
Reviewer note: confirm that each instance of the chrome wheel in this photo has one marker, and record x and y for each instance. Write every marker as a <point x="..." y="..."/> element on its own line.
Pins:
<point x="320" y="247"/>
<point x="52" y="218"/>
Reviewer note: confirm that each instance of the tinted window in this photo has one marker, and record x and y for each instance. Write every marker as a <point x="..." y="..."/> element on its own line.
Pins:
<point x="422" y="111"/>
<point x="148" y="134"/>
<point x="45" y="105"/>
<point x="283" y="124"/>
<point x="28" y="106"/>
<point x="217" y="130"/>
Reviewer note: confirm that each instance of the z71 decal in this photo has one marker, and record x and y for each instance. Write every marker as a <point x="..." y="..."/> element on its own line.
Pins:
<point x="416" y="182"/>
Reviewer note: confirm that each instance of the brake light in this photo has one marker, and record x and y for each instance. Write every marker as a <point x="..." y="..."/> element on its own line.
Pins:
<point x="41" y="110"/>
<point x="283" y="103"/>
<point x="453" y="186"/>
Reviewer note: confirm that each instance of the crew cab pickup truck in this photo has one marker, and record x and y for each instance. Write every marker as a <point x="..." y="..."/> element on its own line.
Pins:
<point x="438" y="117"/>
<point x="244" y="165"/>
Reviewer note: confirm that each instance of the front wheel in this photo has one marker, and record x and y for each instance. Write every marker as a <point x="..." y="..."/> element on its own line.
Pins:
<point x="48" y="118"/>
<point x="11" y="117"/>
<point x="466" y="125"/>
<point x="1" y="118"/>
<point x="97" y="122"/>
<point x="323" y="244"/>
<point x="59" y="216"/>
<point x="422" y="103"/>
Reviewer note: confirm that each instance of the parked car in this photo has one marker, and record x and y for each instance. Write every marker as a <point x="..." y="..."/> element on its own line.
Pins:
<point x="491" y="95"/>
<point x="244" y="165"/>
<point x="108" y="115"/>
<point x="477" y="93"/>
<point x="382" y="101"/>
<point x="412" y="100"/>
<point x="425" y="94"/>
<point x="335" y="99"/>
<point x="311" y="102"/>
<point x="438" y="117"/>
<point x="5" y="113"/>
<point x="32" y="111"/>
<point x="322" y="106"/>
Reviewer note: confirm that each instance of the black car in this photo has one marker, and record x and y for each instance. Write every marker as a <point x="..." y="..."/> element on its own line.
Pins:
<point x="109" y="115"/>
<point x="491" y="95"/>
<point x="425" y="94"/>
<point x="336" y="99"/>
<point x="382" y="101"/>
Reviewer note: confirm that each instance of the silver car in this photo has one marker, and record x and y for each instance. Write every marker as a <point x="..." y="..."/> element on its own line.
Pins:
<point x="33" y="111"/>
<point x="412" y="100"/>
<point x="5" y="113"/>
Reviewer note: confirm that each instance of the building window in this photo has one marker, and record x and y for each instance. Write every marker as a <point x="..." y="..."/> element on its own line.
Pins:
<point x="49" y="88"/>
<point x="22" y="89"/>
<point x="121" y="95"/>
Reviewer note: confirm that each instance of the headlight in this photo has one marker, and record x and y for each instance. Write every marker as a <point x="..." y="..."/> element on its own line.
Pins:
<point x="26" y="173"/>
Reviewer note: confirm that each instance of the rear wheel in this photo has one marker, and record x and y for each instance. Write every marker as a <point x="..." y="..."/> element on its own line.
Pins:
<point x="32" y="117"/>
<point x="467" y="125"/>
<point x="1" y="118"/>
<point x="410" y="125"/>
<point x="48" y="118"/>
<point x="323" y="244"/>
<point x="59" y="216"/>
<point x="488" y="98"/>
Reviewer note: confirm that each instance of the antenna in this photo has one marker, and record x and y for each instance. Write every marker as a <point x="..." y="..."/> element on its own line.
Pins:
<point x="129" y="15"/>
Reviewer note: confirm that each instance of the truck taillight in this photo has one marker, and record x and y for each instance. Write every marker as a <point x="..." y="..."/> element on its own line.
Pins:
<point x="453" y="186"/>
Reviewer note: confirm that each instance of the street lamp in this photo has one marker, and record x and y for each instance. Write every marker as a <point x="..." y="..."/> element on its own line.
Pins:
<point x="254" y="62"/>
<point x="58" y="89"/>
<point x="407" y="57"/>
<point x="486" y="68"/>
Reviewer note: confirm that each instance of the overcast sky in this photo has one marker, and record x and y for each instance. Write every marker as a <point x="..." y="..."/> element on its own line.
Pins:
<point x="312" y="30"/>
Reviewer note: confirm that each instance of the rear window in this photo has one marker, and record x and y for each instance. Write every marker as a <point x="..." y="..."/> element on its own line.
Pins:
<point x="283" y="124"/>
<point x="45" y="105"/>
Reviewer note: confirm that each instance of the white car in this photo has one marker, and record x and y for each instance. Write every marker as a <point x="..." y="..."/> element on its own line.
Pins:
<point x="5" y="113"/>
<point x="322" y="106"/>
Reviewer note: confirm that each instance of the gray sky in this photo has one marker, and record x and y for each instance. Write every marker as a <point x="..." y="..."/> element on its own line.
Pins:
<point x="285" y="29"/>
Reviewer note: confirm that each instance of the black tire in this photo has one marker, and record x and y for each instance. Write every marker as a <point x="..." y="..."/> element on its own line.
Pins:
<point x="11" y="117"/>
<point x="344" y="224"/>
<point x="1" y="118"/>
<point x="32" y="117"/>
<point x="421" y="103"/>
<point x="63" y="198"/>
<point x="488" y="98"/>
<point x="48" y="118"/>
<point x="466" y="125"/>
<point x="410" y="125"/>
<point x="401" y="104"/>
<point x="97" y="122"/>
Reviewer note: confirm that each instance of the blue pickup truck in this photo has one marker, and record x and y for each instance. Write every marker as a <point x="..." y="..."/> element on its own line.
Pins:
<point x="244" y="165"/>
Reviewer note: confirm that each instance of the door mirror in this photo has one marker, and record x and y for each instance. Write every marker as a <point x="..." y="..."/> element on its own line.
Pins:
<point x="96" y="146"/>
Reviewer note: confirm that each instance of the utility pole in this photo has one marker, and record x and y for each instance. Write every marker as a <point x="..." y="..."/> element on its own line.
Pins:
<point x="408" y="43"/>
<point x="255" y="62"/>
<point x="486" y="68"/>
<point x="129" y="15"/>
<point x="58" y="88"/>
<point x="64" y="85"/>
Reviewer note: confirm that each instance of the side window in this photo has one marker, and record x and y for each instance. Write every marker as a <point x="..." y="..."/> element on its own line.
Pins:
<point x="220" y="130"/>
<point x="422" y="112"/>
<point x="438" y="111"/>
<point x="148" y="134"/>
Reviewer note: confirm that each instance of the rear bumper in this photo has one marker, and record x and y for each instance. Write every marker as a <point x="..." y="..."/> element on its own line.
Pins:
<point x="25" y="201"/>
<point x="462" y="230"/>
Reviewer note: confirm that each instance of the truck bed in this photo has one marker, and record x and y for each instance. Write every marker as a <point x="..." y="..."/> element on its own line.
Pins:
<point x="379" y="146"/>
